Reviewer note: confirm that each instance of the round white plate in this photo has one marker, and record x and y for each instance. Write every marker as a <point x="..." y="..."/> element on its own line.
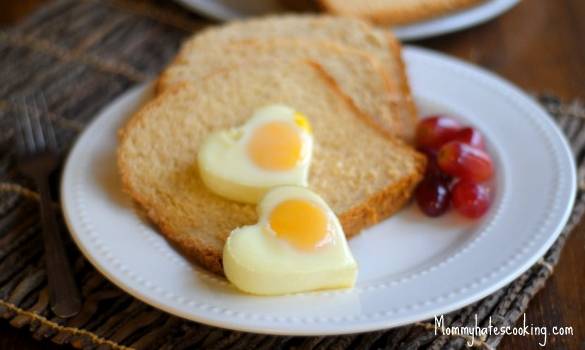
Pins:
<point x="454" y="22"/>
<point x="226" y="10"/>
<point x="411" y="267"/>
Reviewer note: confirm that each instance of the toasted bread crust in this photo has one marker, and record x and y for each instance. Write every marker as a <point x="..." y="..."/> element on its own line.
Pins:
<point x="161" y="83"/>
<point x="383" y="204"/>
<point x="366" y="213"/>
<point x="407" y="101"/>
<point x="190" y="246"/>
<point x="385" y="117"/>
<point x="400" y="13"/>
<point x="387" y="54"/>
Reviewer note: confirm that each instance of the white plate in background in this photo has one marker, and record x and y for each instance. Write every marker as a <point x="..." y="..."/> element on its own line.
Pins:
<point x="411" y="267"/>
<point x="226" y="10"/>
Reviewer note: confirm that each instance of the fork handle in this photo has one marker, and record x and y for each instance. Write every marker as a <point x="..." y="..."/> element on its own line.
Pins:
<point x="64" y="296"/>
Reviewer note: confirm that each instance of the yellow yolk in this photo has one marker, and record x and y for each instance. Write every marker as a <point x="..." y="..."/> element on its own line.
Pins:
<point x="302" y="223"/>
<point x="276" y="146"/>
<point x="303" y="122"/>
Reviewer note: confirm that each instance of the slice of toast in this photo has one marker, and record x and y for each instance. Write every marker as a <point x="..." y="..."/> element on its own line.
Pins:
<point x="395" y="12"/>
<point x="348" y="32"/>
<point x="363" y="174"/>
<point x="357" y="73"/>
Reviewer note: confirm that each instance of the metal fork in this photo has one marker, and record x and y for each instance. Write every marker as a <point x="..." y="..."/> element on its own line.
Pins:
<point x="37" y="158"/>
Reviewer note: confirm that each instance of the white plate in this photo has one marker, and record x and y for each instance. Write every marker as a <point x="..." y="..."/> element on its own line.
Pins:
<point x="454" y="22"/>
<point x="233" y="9"/>
<point x="411" y="267"/>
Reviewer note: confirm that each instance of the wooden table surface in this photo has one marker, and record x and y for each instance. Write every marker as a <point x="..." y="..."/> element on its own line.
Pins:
<point x="540" y="46"/>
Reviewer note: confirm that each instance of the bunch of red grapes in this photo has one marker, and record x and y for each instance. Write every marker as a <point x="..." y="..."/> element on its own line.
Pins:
<point x="457" y="171"/>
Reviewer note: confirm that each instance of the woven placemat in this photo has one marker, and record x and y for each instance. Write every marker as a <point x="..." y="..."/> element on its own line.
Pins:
<point x="81" y="55"/>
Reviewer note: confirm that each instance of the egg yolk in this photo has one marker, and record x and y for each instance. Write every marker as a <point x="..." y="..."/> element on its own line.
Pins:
<point x="303" y="122"/>
<point x="302" y="223"/>
<point x="276" y="146"/>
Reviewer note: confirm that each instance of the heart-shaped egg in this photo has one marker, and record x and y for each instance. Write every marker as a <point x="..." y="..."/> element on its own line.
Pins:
<point x="297" y="245"/>
<point x="272" y="148"/>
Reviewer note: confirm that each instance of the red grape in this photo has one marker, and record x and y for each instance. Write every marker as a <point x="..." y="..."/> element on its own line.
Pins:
<point x="434" y="131"/>
<point x="470" y="136"/>
<point x="432" y="196"/>
<point x="466" y="162"/>
<point x="432" y="168"/>
<point x="431" y="153"/>
<point x="470" y="199"/>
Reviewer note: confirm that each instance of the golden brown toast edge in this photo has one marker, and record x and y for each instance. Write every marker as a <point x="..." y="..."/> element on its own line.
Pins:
<point x="405" y="128"/>
<point x="406" y="14"/>
<point x="409" y="125"/>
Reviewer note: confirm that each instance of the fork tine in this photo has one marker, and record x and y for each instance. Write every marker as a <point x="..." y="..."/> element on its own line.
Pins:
<point x="34" y="132"/>
<point x="48" y="129"/>
<point x="34" y="117"/>
<point x="19" y="135"/>
<point x="25" y="139"/>
<point x="28" y="129"/>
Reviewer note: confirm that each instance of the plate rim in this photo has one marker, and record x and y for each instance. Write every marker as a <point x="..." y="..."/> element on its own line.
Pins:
<point x="476" y="15"/>
<point x="448" y="23"/>
<point x="369" y="325"/>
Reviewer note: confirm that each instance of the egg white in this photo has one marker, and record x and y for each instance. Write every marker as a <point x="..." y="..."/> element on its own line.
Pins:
<point x="256" y="261"/>
<point x="226" y="168"/>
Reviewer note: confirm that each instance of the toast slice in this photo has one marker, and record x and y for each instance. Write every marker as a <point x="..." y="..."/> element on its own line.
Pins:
<point x="394" y="12"/>
<point x="363" y="174"/>
<point x="348" y="32"/>
<point x="357" y="73"/>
